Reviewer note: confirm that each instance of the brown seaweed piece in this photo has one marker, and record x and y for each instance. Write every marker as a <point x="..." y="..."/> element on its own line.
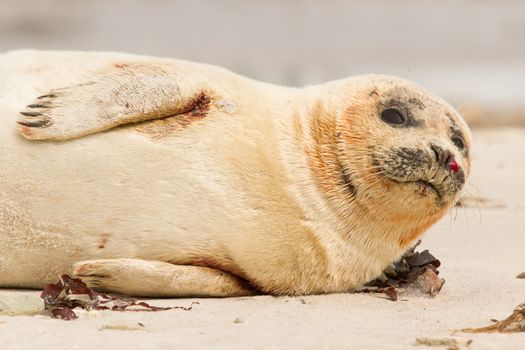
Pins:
<point x="512" y="324"/>
<point x="69" y="293"/>
<point x="390" y="292"/>
<point x="415" y="271"/>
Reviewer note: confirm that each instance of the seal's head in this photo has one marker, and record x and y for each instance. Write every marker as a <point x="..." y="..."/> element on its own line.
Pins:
<point x="403" y="152"/>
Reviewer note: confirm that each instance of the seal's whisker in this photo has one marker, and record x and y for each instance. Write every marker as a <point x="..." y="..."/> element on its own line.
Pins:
<point x="470" y="186"/>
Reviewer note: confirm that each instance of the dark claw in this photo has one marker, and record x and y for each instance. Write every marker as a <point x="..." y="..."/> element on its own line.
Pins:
<point x="37" y="106"/>
<point x="37" y="124"/>
<point x="48" y="95"/>
<point x="31" y="114"/>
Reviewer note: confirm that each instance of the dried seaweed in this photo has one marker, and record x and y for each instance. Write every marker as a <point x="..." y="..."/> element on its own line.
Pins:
<point x="390" y="292"/>
<point x="137" y="327"/>
<point x="512" y="324"/>
<point x="450" y="343"/>
<point x="69" y="293"/>
<point x="414" y="271"/>
<point x="478" y="203"/>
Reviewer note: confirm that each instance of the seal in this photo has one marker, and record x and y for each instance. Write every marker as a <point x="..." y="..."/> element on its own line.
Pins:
<point x="159" y="177"/>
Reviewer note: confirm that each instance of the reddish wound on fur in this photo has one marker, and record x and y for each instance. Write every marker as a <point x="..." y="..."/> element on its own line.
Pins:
<point x="453" y="165"/>
<point x="121" y="65"/>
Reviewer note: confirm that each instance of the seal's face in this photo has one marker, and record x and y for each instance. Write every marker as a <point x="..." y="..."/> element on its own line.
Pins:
<point x="407" y="150"/>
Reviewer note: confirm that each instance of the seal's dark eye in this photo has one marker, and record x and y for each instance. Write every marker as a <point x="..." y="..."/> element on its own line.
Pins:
<point x="393" y="116"/>
<point x="458" y="141"/>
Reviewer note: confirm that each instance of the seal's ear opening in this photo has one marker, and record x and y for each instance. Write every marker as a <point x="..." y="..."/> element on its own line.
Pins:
<point x="393" y="116"/>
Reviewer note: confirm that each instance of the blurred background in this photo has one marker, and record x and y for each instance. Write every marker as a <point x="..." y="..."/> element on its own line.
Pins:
<point x="470" y="52"/>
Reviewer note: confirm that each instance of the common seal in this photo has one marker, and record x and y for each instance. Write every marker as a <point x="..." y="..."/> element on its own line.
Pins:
<point x="160" y="177"/>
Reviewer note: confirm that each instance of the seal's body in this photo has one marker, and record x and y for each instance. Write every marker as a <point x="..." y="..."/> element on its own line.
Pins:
<point x="160" y="177"/>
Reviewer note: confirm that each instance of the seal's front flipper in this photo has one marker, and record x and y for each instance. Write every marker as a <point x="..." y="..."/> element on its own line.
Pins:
<point x="159" y="279"/>
<point x="118" y="95"/>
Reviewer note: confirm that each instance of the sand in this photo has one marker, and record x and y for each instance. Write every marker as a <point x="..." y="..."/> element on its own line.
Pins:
<point x="482" y="250"/>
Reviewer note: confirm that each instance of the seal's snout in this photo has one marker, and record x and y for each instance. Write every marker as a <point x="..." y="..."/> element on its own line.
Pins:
<point x="434" y="170"/>
<point x="445" y="158"/>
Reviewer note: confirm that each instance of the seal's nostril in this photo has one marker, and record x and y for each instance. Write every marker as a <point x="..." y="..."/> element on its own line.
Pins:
<point x="437" y="152"/>
<point x="445" y="158"/>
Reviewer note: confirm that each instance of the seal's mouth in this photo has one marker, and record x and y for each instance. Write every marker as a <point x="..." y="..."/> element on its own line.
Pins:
<point x="425" y="187"/>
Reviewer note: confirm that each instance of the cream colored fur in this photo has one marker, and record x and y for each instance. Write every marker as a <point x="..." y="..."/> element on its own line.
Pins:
<point x="204" y="201"/>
